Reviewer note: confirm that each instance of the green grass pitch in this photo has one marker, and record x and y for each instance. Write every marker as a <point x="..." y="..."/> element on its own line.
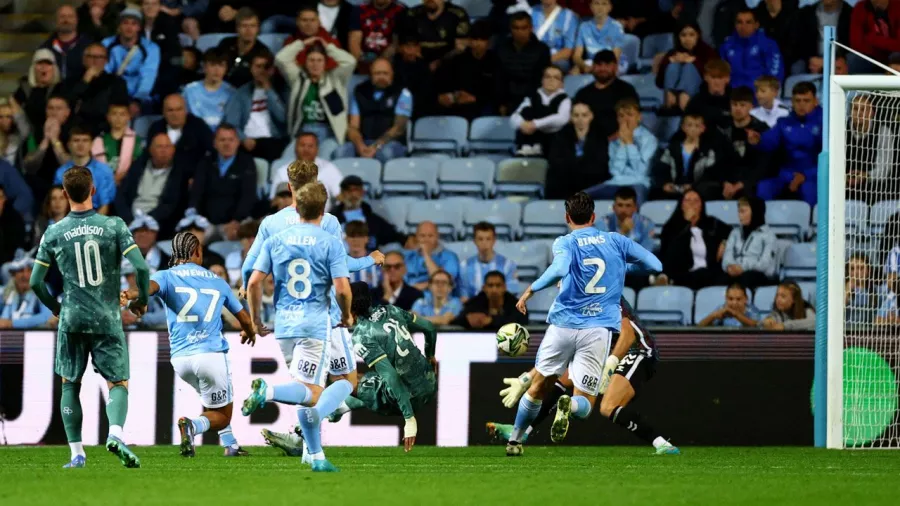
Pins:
<point x="599" y="476"/>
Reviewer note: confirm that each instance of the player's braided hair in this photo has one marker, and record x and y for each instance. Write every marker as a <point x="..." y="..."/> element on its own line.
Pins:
<point x="580" y="208"/>
<point x="183" y="246"/>
<point x="361" y="304"/>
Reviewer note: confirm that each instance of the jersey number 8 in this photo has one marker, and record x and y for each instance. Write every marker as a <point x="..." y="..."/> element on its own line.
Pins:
<point x="87" y="260"/>
<point x="591" y="287"/>
<point x="300" y="277"/>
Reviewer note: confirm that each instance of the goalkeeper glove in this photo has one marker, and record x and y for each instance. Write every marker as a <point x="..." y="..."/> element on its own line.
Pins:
<point x="612" y="362"/>
<point x="517" y="387"/>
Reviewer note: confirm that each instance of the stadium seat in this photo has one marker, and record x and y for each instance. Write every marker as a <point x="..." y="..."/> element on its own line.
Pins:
<point x="491" y="134"/>
<point x="210" y="40"/>
<point x="225" y="248"/>
<point x="467" y="176"/>
<point x="629" y="295"/>
<point x="142" y="124"/>
<point x="665" y="304"/>
<point x="706" y="300"/>
<point x="475" y="8"/>
<point x="791" y="81"/>
<point x="463" y="249"/>
<point x="649" y="94"/>
<point x="410" y="176"/>
<point x="603" y="207"/>
<point x="653" y="45"/>
<point x="781" y="248"/>
<point x="788" y="218"/>
<point x="521" y="176"/>
<point x="574" y="83"/>
<point x="808" y="289"/>
<point x="273" y="41"/>
<point x="764" y="298"/>
<point x="262" y="177"/>
<point x="506" y="216"/>
<point x="631" y="49"/>
<point x="881" y="213"/>
<point x="445" y="134"/>
<point x="540" y="304"/>
<point x="530" y="258"/>
<point x="185" y="40"/>
<point x="445" y="213"/>
<point x="800" y="262"/>
<point x="725" y="210"/>
<point x="544" y="218"/>
<point x="394" y="209"/>
<point x="659" y="212"/>
<point x="856" y="218"/>
<point x="368" y="169"/>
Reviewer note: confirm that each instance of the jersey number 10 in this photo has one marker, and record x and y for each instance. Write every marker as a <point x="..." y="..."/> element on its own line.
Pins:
<point x="87" y="260"/>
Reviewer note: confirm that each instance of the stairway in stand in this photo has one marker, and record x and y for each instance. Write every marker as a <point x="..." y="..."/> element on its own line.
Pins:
<point x="24" y="25"/>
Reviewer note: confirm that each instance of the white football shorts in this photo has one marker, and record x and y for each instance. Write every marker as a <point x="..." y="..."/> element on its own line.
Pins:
<point x="210" y="376"/>
<point x="307" y="358"/>
<point x="341" y="359"/>
<point x="582" y="351"/>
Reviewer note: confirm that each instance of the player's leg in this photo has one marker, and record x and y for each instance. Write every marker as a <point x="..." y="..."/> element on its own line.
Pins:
<point x="342" y="363"/>
<point x="71" y="362"/>
<point x="315" y="351"/>
<point x="296" y="392"/>
<point x="503" y="431"/>
<point x="591" y="349"/>
<point x="109" y="354"/>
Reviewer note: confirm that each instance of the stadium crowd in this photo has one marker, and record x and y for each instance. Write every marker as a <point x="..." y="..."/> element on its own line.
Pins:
<point x="695" y="125"/>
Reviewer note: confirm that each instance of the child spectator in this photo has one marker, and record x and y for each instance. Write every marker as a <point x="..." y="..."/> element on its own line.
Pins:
<point x="80" y="140"/>
<point x="693" y="160"/>
<point x="680" y="69"/>
<point x="790" y="311"/>
<point x="747" y="162"/>
<point x="750" y="53"/>
<point x="737" y="312"/>
<point x="770" y="108"/>
<point x="693" y="245"/>
<point x="556" y="26"/>
<point x="713" y="100"/>
<point x="598" y="34"/>
<point x="119" y="146"/>
<point x="750" y="251"/>
<point x="541" y="114"/>
<point x="206" y="99"/>
<point x="578" y="156"/>
<point x="356" y="234"/>
<point x="473" y="269"/>
<point x="859" y="295"/>
<point x="437" y="305"/>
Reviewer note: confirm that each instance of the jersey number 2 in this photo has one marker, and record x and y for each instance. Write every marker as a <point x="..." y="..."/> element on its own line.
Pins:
<point x="87" y="260"/>
<point x="184" y="317"/>
<point x="592" y="287"/>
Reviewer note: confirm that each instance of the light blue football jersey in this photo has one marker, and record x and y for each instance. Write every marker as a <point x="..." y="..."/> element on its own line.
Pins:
<point x="194" y="298"/>
<point x="304" y="259"/>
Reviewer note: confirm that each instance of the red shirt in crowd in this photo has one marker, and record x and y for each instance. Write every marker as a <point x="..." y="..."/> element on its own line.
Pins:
<point x="875" y="33"/>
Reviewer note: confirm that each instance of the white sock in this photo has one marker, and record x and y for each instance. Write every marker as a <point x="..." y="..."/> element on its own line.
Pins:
<point x="528" y="431"/>
<point x="270" y="393"/>
<point x="318" y="456"/>
<point x="659" y="442"/>
<point x="115" y="431"/>
<point x="77" y="449"/>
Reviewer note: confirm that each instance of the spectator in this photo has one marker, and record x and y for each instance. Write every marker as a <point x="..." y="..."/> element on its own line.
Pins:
<point x="859" y="292"/>
<point x="809" y="28"/>
<point x="640" y="18"/>
<point x="437" y="305"/>
<point x="736" y="312"/>
<point x="441" y="27"/>
<point x="693" y="160"/>
<point x="800" y="136"/>
<point x="191" y="136"/>
<point x="38" y="86"/>
<point x="306" y="148"/>
<point x="307" y="25"/>
<point x="770" y="108"/>
<point x="867" y="127"/>
<point x="681" y="67"/>
<point x="748" y="163"/>
<point x="542" y="114"/>
<point x="258" y="111"/>
<point x="12" y="229"/>
<point x="601" y="33"/>
<point x="224" y="189"/>
<point x="190" y="66"/>
<point x="206" y="99"/>
<point x="428" y="257"/>
<point x="284" y="197"/>
<point x="336" y="17"/>
<point x="556" y="27"/>
<point x="777" y="19"/>
<point x="626" y="220"/>
<point x="350" y="207"/>
<point x="146" y="231"/>
<point x="98" y="19"/>
<point x="492" y="308"/>
<point x="198" y="225"/>
<point x="605" y="93"/>
<point x="119" y="146"/>
<point x="373" y="32"/>
<point x="21" y="307"/>
<point x="45" y="148"/>
<point x="95" y="89"/>
<point x="750" y="52"/>
<point x="630" y="154"/>
<point x="54" y="208"/>
<point x="140" y="69"/>
<point x="521" y="62"/>
<point x="579" y="156"/>
<point x="80" y="140"/>
<point x="750" y="251"/>
<point x="394" y="289"/>
<point x="318" y="99"/>
<point x="693" y="245"/>
<point x="66" y="43"/>
<point x="473" y="269"/>
<point x="241" y="50"/>
<point x="356" y="233"/>
<point x="235" y="259"/>
<point x="162" y="29"/>
<point x="188" y="11"/>
<point x="874" y="32"/>
<point x="465" y="84"/>
<point x="713" y="100"/>
<point x="790" y="311"/>
<point x="889" y="251"/>
<point x="379" y="115"/>
<point x="18" y="189"/>
<point x="154" y="186"/>
<point x="14" y="129"/>
<point x="889" y="311"/>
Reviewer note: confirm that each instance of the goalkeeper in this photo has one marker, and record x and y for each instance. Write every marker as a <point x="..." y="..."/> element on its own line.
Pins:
<point x="631" y="363"/>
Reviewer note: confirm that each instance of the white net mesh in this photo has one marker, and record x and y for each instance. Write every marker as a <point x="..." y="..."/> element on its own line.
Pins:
<point x="872" y="256"/>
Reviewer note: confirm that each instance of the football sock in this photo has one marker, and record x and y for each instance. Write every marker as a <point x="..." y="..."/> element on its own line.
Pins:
<point x="549" y="403"/>
<point x="633" y="421"/>
<point x="70" y="405"/>
<point x="289" y="393"/>
<point x="77" y="449"/>
<point x="312" y="429"/>
<point x="332" y="397"/>
<point x="528" y="410"/>
<point x="201" y="424"/>
<point x="117" y="409"/>
<point x="227" y="439"/>
<point x="581" y="407"/>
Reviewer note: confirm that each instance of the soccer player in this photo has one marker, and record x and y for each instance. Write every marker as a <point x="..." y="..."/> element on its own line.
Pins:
<point x="86" y="247"/>
<point x="194" y="298"/>
<point x="305" y="262"/>
<point x="592" y="265"/>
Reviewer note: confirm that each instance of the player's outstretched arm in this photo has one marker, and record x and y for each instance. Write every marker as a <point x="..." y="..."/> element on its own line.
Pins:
<point x="254" y="300"/>
<point x="133" y="293"/>
<point x="40" y="289"/>
<point x="425" y="327"/>
<point x="637" y="254"/>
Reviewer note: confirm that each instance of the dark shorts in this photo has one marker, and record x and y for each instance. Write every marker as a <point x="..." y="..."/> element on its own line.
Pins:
<point x="637" y="368"/>
<point x="108" y="352"/>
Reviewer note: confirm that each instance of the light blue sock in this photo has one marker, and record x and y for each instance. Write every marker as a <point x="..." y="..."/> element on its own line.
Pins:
<point x="581" y="407"/>
<point x="527" y="412"/>
<point x="227" y="439"/>
<point x="201" y="424"/>
<point x="310" y="423"/>
<point x="332" y="397"/>
<point x="291" y="393"/>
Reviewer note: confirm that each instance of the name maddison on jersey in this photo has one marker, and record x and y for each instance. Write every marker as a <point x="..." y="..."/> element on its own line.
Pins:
<point x="83" y="230"/>
<point x="191" y="273"/>
<point x="594" y="240"/>
<point x="303" y="240"/>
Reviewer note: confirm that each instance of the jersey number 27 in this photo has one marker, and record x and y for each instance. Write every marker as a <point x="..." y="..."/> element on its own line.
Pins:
<point x="184" y="317"/>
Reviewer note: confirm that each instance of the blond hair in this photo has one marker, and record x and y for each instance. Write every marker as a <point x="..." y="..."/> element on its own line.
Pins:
<point x="301" y="172"/>
<point x="311" y="200"/>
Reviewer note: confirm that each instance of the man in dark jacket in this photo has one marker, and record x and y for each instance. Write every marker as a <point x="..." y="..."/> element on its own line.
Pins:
<point x="153" y="185"/>
<point x="351" y="207"/>
<point x="747" y="164"/>
<point x="522" y="59"/>
<point x="750" y="52"/>
<point x="241" y="50"/>
<point x="808" y="29"/>
<point x="713" y="100"/>
<point x="163" y="29"/>
<point x="606" y="91"/>
<point x="394" y="289"/>
<point x="411" y="72"/>
<point x="66" y="43"/>
<point x="192" y="137"/>
<point x="701" y="170"/>
<point x="579" y="156"/>
<point x="492" y="308"/>
<point x="465" y="84"/>
<point x="91" y="92"/>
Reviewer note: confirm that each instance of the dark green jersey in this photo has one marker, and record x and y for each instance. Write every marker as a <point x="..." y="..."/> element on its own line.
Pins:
<point x="88" y="249"/>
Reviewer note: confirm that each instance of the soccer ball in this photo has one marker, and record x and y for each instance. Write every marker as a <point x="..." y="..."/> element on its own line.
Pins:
<point x="512" y="339"/>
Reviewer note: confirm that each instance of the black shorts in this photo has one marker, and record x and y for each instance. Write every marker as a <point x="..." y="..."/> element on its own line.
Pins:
<point x="637" y="368"/>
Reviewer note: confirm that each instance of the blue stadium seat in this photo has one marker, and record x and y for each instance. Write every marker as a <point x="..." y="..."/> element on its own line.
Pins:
<point x="544" y="218"/>
<point x="706" y="300"/>
<point x="800" y="262"/>
<point x="791" y="81"/>
<point x="764" y="298"/>
<point x="788" y="218"/>
<point x="504" y="214"/>
<point x="808" y="290"/>
<point x="574" y="83"/>
<point x="210" y="40"/>
<point x="262" y="177"/>
<point x="475" y="8"/>
<point x="540" y="304"/>
<point x="521" y="176"/>
<point x="445" y="213"/>
<point x="445" y="134"/>
<point x="653" y="45"/>
<point x="491" y="134"/>
<point x="881" y="213"/>
<point x="649" y="94"/>
<point x="665" y="304"/>
<point x="394" y="209"/>
<point x="273" y="41"/>
<point x="658" y="211"/>
<point x="185" y="40"/>
<point x="725" y="210"/>
<point x="463" y="249"/>
<point x="225" y="248"/>
<point x="603" y="207"/>
<point x="410" y="176"/>
<point x="530" y="258"/>
<point x="629" y="295"/>
<point x="856" y="218"/>
<point x="368" y="169"/>
<point x="142" y="124"/>
<point x="467" y="176"/>
<point x="631" y="49"/>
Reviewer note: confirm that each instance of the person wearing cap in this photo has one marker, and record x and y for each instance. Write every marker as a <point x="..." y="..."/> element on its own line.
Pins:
<point x="153" y="185"/>
<point x="605" y="92"/>
<point x="21" y="307"/>
<point x="466" y="85"/>
<point x="198" y="225"/>
<point x="36" y="88"/>
<point x="94" y="89"/>
<point x="352" y="207"/>
<point x="306" y="148"/>
<point x="67" y="43"/>
<point x="136" y="59"/>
